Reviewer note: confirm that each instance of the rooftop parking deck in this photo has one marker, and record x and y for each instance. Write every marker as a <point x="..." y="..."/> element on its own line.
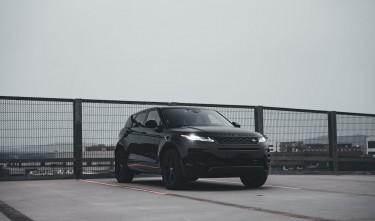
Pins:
<point x="284" y="197"/>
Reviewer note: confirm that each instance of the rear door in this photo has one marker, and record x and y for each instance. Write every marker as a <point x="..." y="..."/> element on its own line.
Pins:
<point x="135" y="135"/>
<point x="149" y="143"/>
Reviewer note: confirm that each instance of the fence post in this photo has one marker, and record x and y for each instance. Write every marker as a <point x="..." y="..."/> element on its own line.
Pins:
<point x="77" y="130"/>
<point x="332" y="138"/>
<point x="258" y="117"/>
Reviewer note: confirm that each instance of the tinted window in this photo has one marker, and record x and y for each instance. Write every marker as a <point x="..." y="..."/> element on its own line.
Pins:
<point x="139" y="120"/>
<point x="177" y="117"/>
<point x="129" y="122"/>
<point x="154" y="115"/>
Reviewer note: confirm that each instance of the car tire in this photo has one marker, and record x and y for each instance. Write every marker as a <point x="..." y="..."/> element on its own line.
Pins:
<point x="122" y="172"/>
<point x="172" y="171"/>
<point x="254" y="180"/>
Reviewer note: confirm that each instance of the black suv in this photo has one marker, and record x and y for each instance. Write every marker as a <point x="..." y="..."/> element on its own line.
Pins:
<point x="186" y="143"/>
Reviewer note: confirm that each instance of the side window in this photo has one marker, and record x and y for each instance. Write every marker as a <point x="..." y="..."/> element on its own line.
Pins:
<point x="139" y="120"/>
<point x="129" y="122"/>
<point x="154" y="115"/>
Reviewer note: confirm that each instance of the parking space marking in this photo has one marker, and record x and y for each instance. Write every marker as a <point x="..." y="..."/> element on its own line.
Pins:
<point x="219" y="181"/>
<point x="284" y="187"/>
<point x="238" y="206"/>
<point x="11" y="213"/>
<point x="231" y="182"/>
<point x="126" y="187"/>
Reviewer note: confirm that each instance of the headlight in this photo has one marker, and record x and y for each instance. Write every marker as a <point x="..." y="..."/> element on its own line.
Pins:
<point x="262" y="140"/>
<point x="195" y="137"/>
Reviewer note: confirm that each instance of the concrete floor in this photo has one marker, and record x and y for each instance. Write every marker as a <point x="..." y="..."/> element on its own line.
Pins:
<point x="283" y="197"/>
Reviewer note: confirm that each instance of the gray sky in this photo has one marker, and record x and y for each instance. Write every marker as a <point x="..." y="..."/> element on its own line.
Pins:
<point x="298" y="54"/>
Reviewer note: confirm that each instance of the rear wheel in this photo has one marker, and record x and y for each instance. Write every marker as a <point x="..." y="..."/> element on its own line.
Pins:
<point x="122" y="172"/>
<point x="171" y="170"/>
<point x="254" y="179"/>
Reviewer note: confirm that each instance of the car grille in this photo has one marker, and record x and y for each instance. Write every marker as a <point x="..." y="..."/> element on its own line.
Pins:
<point x="202" y="158"/>
<point x="236" y="162"/>
<point x="236" y="140"/>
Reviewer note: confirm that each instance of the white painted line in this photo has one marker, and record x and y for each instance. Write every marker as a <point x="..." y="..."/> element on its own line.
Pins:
<point x="284" y="187"/>
<point x="221" y="181"/>
<point x="239" y="206"/>
<point x="231" y="182"/>
<point x="126" y="187"/>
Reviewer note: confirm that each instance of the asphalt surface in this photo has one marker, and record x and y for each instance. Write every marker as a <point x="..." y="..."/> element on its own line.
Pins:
<point x="283" y="197"/>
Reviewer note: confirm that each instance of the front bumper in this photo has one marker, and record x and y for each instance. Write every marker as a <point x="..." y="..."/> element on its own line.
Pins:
<point x="212" y="160"/>
<point x="225" y="171"/>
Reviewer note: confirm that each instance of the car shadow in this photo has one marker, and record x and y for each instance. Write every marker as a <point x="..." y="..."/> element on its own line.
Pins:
<point x="199" y="185"/>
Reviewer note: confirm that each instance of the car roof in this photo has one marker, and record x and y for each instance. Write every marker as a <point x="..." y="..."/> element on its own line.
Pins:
<point x="172" y="107"/>
<point x="184" y="107"/>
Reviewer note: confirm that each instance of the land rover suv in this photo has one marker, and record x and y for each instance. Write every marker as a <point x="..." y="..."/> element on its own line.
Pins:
<point x="186" y="143"/>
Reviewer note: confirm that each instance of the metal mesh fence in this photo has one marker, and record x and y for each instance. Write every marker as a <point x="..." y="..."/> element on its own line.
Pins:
<point x="354" y="133"/>
<point x="36" y="136"/>
<point x="355" y="139"/>
<point x="297" y="135"/>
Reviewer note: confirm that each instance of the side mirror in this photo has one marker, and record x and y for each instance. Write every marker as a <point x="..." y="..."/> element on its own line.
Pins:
<point x="235" y="124"/>
<point x="151" y="124"/>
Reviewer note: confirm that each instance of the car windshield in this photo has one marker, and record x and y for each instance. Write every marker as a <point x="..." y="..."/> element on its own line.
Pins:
<point x="179" y="117"/>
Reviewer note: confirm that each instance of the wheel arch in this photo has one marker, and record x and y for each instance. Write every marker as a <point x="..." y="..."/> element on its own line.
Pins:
<point x="119" y="147"/>
<point x="164" y="148"/>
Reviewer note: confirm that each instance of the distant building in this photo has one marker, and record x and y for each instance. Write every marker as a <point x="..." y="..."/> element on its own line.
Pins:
<point x="370" y="141"/>
<point x="352" y="143"/>
<point x="347" y="146"/>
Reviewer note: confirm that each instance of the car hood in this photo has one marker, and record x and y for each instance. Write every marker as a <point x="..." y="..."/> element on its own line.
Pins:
<point x="216" y="131"/>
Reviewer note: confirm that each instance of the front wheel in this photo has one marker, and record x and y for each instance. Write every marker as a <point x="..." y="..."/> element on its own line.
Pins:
<point x="254" y="179"/>
<point x="122" y="172"/>
<point x="171" y="170"/>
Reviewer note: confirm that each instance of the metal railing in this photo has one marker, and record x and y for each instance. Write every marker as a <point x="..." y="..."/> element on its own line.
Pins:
<point x="47" y="138"/>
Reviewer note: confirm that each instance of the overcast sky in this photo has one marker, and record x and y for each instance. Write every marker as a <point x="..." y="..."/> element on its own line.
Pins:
<point x="298" y="54"/>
